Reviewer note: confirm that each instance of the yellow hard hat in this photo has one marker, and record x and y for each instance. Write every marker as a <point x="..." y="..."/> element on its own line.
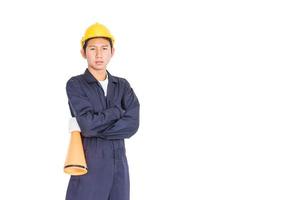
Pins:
<point x="97" y="30"/>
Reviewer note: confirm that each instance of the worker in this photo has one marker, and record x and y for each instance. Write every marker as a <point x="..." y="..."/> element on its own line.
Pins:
<point x="105" y="109"/>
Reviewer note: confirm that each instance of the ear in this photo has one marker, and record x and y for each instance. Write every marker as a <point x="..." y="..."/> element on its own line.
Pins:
<point x="113" y="51"/>
<point x="83" y="53"/>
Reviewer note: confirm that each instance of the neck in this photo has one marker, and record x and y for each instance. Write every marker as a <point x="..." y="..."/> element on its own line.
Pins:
<point x="100" y="75"/>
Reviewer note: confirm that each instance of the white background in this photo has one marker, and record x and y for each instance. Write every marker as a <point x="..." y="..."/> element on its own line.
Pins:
<point x="210" y="77"/>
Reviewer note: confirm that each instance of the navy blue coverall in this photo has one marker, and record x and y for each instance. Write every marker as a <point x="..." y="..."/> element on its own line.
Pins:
<point x="105" y="122"/>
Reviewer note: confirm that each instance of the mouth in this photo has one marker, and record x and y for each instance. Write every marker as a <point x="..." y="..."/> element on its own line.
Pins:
<point x="99" y="62"/>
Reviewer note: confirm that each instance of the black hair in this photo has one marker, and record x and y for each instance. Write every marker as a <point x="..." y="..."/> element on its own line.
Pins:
<point x="109" y="39"/>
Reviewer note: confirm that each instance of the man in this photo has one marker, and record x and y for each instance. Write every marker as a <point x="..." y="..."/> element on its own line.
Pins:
<point x="106" y="111"/>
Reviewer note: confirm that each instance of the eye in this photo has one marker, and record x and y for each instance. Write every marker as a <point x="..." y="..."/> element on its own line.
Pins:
<point x="105" y="48"/>
<point x="92" y="48"/>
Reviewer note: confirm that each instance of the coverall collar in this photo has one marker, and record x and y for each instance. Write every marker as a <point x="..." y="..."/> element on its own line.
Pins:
<point x="91" y="79"/>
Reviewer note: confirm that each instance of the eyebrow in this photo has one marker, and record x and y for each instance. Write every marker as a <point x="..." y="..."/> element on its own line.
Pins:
<point x="92" y="45"/>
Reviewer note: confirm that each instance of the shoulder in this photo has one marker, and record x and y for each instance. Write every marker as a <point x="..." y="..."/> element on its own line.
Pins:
<point x="123" y="82"/>
<point x="75" y="79"/>
<point x="74" y="82"/>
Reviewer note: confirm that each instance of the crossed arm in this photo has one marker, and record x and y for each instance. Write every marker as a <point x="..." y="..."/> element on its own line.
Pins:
<point x="117" y="122"/>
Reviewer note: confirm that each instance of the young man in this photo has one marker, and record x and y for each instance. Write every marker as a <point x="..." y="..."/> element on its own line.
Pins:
<point x="106" y="111"/>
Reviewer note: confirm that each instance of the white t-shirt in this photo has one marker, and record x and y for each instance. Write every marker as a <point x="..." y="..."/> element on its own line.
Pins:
<point x="104" y="84"/>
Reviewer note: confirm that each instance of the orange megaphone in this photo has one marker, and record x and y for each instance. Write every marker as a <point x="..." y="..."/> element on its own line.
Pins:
<point x="75" y="163"/>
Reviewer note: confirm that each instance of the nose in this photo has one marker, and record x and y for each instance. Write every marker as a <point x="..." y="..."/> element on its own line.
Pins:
<point x="99" y="53"/>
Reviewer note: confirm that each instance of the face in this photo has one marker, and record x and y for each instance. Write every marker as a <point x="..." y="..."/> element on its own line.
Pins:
<point x="98" y="53"/>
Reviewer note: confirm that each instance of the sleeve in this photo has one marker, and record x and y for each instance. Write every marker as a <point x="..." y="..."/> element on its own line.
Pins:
<point x="91" y="123"/>
<point x="128" y="124"/>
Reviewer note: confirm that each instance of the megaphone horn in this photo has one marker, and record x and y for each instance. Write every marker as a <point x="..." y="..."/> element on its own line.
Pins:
<point x="75" y="163"/>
